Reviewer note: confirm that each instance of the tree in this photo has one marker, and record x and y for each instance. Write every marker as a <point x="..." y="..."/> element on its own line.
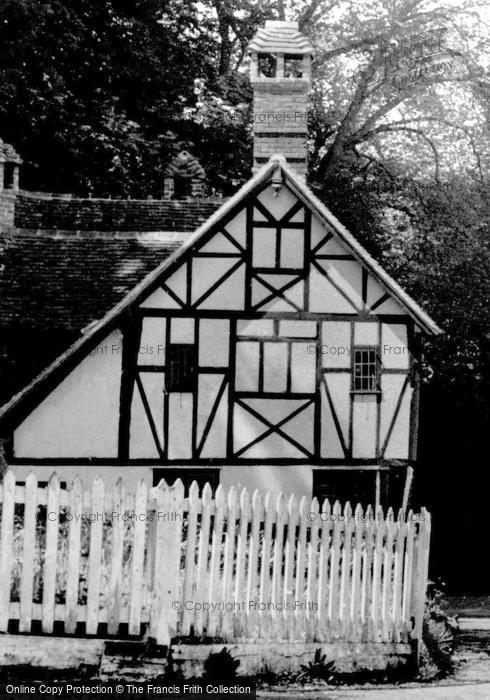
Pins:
<point x="92" y="94"/>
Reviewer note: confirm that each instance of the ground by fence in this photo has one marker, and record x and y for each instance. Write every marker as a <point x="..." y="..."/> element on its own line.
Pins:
<point x="232" y="566"/>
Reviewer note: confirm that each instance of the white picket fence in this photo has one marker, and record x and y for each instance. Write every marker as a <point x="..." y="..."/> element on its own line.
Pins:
<point x="236" y="566"/>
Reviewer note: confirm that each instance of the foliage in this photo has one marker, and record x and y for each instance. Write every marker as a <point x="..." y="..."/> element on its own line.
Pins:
<point x="318" y="669"/>
<point x="93" y="95"/>
<point x="221" y="666"/>
<point x="439" y="631"/>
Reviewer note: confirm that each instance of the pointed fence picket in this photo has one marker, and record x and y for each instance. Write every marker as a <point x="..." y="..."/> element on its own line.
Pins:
<point x="234" y="565"/>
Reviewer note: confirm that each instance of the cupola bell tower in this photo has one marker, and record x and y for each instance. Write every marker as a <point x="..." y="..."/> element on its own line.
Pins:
<point x="280" y="73"/>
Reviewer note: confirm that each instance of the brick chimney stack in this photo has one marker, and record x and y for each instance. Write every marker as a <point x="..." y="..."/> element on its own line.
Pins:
<point x="280" y="74"/>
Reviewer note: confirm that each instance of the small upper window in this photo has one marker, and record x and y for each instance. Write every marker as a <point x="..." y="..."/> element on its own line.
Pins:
<point x="366" y="376"/>
<point x="293" y="66"/>
<point x="182" y="187"/>
<point x="8" y="176"/>
<point x="267" y="65"/>
<point x="181" y="367"/>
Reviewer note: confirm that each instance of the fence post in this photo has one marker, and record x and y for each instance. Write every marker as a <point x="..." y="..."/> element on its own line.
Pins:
<point x="420" y="576"/>
<point x="6" y="547"/>
<point x="168" y="539"/>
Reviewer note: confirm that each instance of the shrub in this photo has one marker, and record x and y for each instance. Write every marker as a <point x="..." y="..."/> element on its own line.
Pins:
<point x="439" y="631"/>
<point x="221" y="666"/>
<point x="318" y="669"/>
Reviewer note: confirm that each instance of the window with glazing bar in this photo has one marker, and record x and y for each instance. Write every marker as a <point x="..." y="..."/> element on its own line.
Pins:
<point x="366" y="374"/>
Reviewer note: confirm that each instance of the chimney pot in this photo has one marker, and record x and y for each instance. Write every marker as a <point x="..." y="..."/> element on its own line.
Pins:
<point x="280" y="74"/>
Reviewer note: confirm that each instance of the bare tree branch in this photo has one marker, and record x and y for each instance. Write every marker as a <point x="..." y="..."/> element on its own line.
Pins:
<point x="337" y="146"/>
<point x="450" y="125"/>
<point x="385" y="128"/>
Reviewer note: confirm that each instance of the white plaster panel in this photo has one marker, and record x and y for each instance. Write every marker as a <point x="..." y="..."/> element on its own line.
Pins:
<point x="182" y="330"/>
<point x="152" y="344"/>
<point x="299" y="217"/>
<point x="394" y="346"/>
<point x="180" y="425"/>
<point x="297" y="329"/>
<point x="292" y="248"/>
<point x="364" y="423"/>
<point x="366" y="333"/>
<point x="247" y="366"/>
<point x="275" y="366"/>
<point x="336" y="344"/>
<point x="390" y="306"/>
<point x="324" y="297"/>
<point x="80" y="417"/>
<point x="160" y="299"/>
<point x="332" y="247"/>
<point x="347" y="275"/>
<point x="262" y="327"/>
<point x="303" y="368"/>
<point x="214" y="342"/>
<point x="264" y="247"/>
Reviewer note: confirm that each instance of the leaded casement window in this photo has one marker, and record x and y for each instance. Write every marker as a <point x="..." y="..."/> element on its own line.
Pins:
<point x="366" y="372"/>
<point x="181" y="367"/>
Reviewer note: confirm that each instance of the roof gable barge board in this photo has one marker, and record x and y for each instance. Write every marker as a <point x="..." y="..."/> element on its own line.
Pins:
<point x="14" y="411"/>
<point x="421" y="318"/>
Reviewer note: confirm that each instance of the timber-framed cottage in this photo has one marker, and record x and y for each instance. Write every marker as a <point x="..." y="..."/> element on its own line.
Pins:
<point x="268" y="348"/>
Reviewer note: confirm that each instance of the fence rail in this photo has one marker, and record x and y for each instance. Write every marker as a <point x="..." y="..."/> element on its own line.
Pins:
<point x="232" y="566"/>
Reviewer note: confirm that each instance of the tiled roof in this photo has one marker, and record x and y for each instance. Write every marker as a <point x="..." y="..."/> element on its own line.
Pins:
<point x="66" y="279"/>
<point x="281" y="37"/>
<point x="51" y="212"/>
